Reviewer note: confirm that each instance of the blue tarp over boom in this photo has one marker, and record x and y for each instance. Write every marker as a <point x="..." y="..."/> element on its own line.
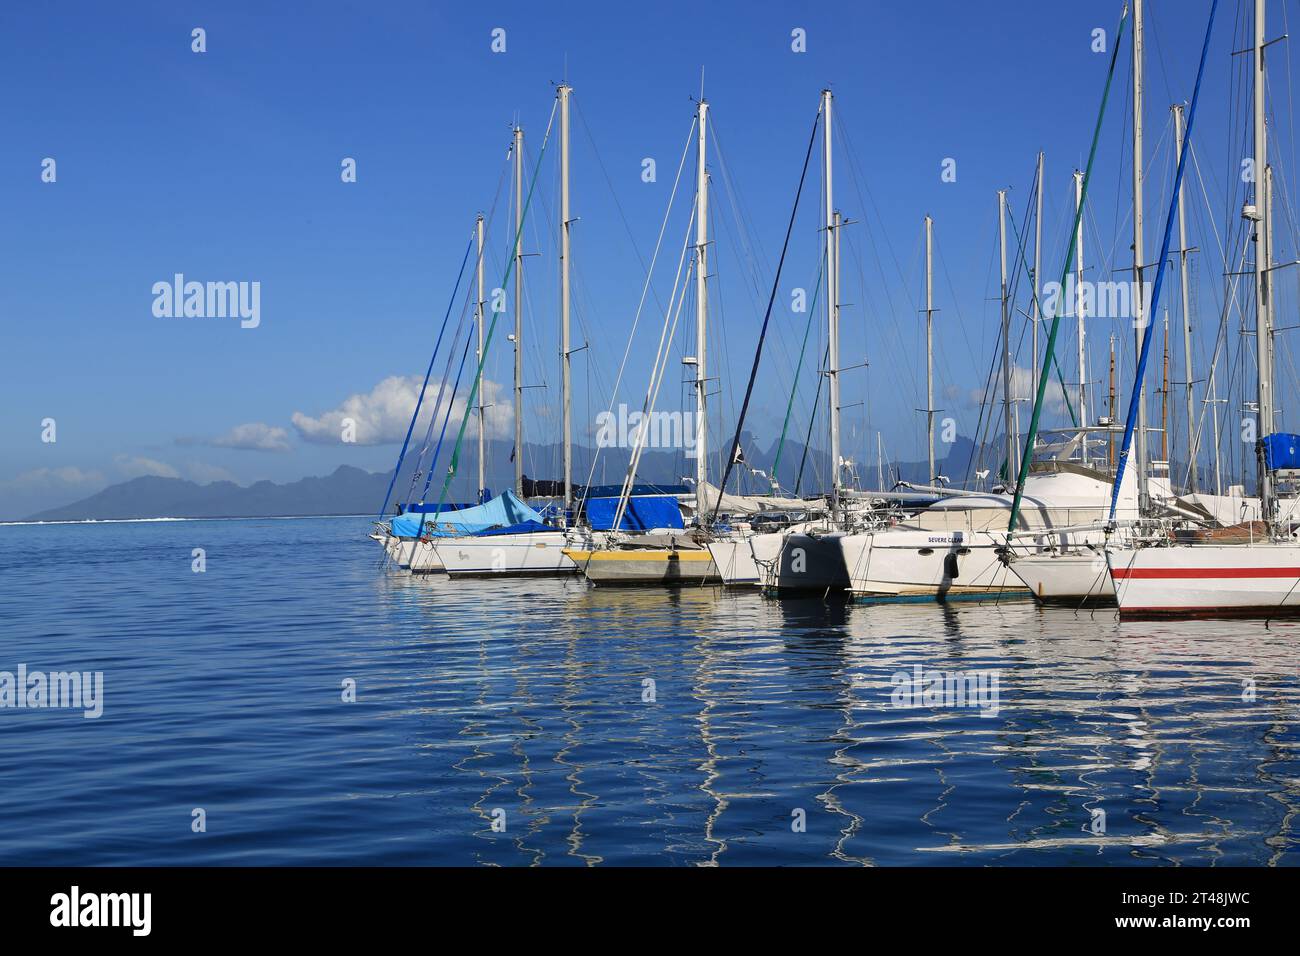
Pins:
<point x="640" y="488"/>
<point x="416" y="507"/>
<point x="641" y="514"/>
<point x="503" y="511"/>
<point x="1282" y="451"/>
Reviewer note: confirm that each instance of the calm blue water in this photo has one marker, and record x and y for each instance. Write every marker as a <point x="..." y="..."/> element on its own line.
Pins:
<point x="223" y="692"/>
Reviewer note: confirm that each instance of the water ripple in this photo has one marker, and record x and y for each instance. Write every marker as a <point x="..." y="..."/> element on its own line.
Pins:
<point x="692" y="727"/>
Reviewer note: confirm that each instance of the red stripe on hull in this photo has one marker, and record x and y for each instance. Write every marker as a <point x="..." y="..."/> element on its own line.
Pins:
<point x="1147" y="613"/>
<point x="1122" y="574"/>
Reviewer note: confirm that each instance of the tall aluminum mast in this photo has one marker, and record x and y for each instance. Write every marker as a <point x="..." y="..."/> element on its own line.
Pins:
<point x="1140" y="318"/>
<point x="1188" y="377"/>
<point x="519" y="311"/>
<point x="565" y="382"/>
<point x="1013" y="468"/>
<point x="701" y="315"/>
<point x="832" y="300"/>
<point x="929" y="343"/>
<point x="1078" y="312"/>
<point x="1038" y="265"/>
<point x="478" y="317"/>
<point x="1263" y="317"/>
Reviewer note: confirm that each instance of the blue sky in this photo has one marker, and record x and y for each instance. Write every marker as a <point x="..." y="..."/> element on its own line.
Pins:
<point x="225" y="166"/>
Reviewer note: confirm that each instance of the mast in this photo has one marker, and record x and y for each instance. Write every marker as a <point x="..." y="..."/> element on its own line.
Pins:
<point x="565" y="382"/>
<point x="1078" y="311"/>
<point x="1140" y="319"/>
<point x="832" y="301"/>
<point x="1164" y="398"/>
<point x="478" y="317"/>
<point x="1268" y="274"/>
<point x="839" y="461"/>
<point x="1012" y="467"/>
<point x="880" y="463"/>
<point x="1186" y="305"/>
<point x="1110" y="408"/>
<point x="1214" y="418"/>
<point x="1263" y="320"/>
<point x="929" y="341"/>
<point x="1038" y="261"/>
<point x="701" y="314"/>
<point x="519" y="311"/>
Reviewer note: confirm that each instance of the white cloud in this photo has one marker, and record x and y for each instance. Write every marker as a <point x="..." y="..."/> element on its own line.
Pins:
<point x="1024" y="387"/>
<point x="67" y="478"/>
<point x="254" y="436"/>
<point x="130" y="466"/>
<point x="68" y="475"/>
<point x="382" y="415"/>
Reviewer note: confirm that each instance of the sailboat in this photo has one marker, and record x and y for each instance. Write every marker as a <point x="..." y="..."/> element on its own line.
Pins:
<point x="666" y="556"/>
<point x="1069" y="565"/>
<point x="952" y="549"/>
<point x="1178" y="575"/>
<point x="955" y="548"/>
<point x="402" y="536"/>
<point x="527" y="546"/>
<point x="806" y="556"/>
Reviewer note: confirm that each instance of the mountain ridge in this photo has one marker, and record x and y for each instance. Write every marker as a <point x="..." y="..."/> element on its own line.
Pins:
<point x="350" y="490"/>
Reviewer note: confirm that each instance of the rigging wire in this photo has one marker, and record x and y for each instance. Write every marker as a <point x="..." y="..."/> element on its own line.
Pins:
<point x="645" y="290"/>
<point x="427" y="372"/>
<point x="758" y="351"/>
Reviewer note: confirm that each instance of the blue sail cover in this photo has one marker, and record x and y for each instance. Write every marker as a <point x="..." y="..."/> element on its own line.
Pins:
<point x="640" y="488"/>
<point x="503" y="511"/>
<point x="524" y="527"/>
<point x="1281" y="451"/>
<point x="641" y="514"/>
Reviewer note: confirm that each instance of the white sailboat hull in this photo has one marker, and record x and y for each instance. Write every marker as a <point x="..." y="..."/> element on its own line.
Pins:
<point x="951" y="550"/>
<point x="409" y="554"/>
<point x="1207" y="580"/>
<point x="907" y="565"/>
<point x="533" y="553"/>
<point x="424" y="558"/>
<point x="399" y="550"/>
<point x="735" y="561"/>
<point x="1071" y="576"/>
